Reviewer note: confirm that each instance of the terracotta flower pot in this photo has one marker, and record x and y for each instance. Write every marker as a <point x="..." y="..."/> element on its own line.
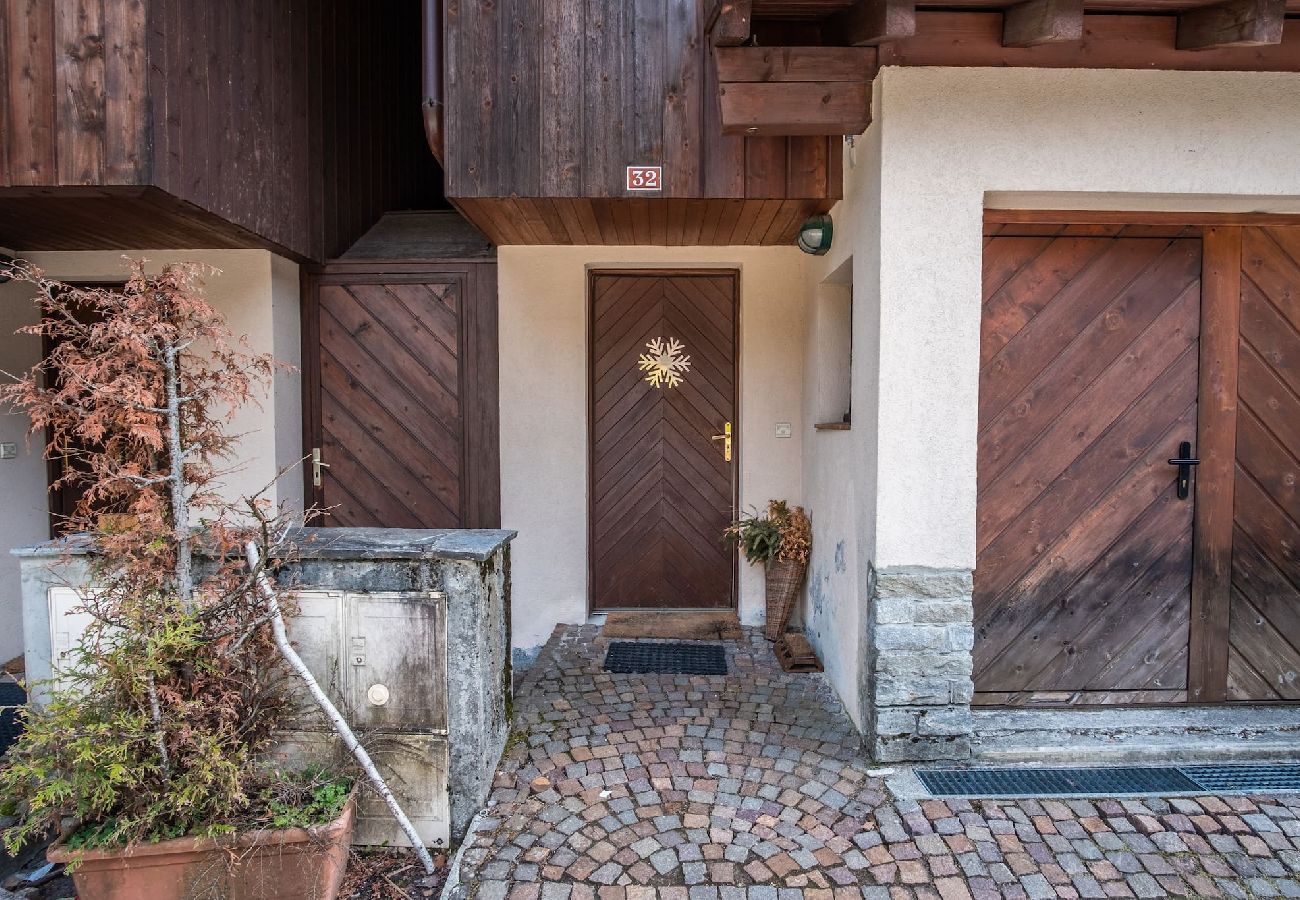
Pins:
<point x="283" y="864"/>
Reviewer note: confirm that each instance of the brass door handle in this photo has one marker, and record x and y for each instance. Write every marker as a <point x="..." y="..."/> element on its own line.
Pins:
<point x="725" y="437"/>
<point x="316" y="466"/>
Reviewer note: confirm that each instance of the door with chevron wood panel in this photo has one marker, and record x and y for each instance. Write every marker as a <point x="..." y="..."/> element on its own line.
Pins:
<point x="1088" y="389"/>
<point x="663" y="439"/>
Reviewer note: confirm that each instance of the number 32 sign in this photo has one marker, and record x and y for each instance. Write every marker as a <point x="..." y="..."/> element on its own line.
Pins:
<point x="645" y="178"/>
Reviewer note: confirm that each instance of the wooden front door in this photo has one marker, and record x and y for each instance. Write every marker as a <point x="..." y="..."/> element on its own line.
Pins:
<point x="662" y="489"/>
<point x="401" y="391"/>
<point x="1088" y="386"/>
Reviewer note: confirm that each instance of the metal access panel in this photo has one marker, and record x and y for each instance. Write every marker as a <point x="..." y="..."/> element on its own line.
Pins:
<point x="416" y="767"/>
<point x="67" y="625"/>
<point x="395" y="648"/>
<point x="317" y="634"/>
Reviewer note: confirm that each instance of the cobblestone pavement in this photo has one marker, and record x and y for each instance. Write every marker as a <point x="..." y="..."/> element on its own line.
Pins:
<point x="750" y="786"/>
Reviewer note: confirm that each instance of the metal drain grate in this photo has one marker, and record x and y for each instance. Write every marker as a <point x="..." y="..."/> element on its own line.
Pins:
<point x="1283" y="779"/>
<point x="1053" y="782"/>
<point x="641" y="657"/>
<point x="1243" y="779"/>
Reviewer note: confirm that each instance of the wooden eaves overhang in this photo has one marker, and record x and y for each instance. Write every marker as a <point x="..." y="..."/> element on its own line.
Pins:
<point x="744" y="103"/>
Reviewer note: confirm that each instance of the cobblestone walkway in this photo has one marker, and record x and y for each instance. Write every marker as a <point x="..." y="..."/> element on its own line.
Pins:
<point x="750" y="786"/>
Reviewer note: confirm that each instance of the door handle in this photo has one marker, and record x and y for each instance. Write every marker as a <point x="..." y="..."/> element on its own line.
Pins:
<point x="725" y="437"/>
<point x="316" y="466"/>
<point x="1184" y="461"/>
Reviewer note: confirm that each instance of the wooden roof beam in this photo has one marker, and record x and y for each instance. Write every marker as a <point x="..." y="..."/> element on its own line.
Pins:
<point x="1233" y="23"/>
<point x="784" y="108"/>
<point x="871" y="22"/>
<point x="730" y="22"/>
<point x="1035" y="22"/>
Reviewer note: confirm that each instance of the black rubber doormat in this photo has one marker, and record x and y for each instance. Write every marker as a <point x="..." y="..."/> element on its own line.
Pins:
<point x="645" y="657"/>
<point x="1110" y="782"/>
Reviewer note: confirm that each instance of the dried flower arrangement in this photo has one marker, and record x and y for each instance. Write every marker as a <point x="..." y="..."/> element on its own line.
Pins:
<point x="784" y="534"/>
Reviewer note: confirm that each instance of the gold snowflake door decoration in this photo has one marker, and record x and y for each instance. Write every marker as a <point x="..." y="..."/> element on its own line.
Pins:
<point x="664" y="363"/>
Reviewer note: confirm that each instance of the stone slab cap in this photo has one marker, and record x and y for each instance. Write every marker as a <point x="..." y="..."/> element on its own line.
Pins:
<point x="478" y="545"/>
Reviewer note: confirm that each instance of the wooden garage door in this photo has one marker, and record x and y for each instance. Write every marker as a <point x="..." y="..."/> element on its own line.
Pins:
<point x="1264" y="634"/>
<point x="661" y="490"/>
<point x="1088" y="385"/>
<point x="401" y="395"/>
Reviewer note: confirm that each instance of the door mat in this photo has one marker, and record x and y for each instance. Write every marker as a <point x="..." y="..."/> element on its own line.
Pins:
<point x="674" y="625"/>
<point x="12" y="697"/>
<point x="640" y="658"/>
<point x="1110" y="782"/>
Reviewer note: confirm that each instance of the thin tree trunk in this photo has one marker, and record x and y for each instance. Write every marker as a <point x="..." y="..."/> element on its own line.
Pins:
<point x="339" y="724"/>
<point x="176" y="477"/>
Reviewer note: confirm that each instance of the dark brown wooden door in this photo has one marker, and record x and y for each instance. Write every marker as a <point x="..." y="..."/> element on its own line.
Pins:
<point x="661" y="490"/>
<point x="1264" y="623"/>
<point x="402" y="395"/>
<point x="1088" y="384"/>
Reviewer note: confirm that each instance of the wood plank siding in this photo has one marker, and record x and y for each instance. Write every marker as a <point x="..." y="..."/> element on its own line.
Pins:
<point x="242" y="123"/>
<point x="547" y="107"/>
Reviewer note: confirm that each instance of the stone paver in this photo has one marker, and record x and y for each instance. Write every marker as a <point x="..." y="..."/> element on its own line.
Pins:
<point x="753" y="786"/>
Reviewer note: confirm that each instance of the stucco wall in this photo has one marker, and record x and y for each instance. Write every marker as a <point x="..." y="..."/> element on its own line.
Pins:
<point x="840" y="470"/>
<point x="26" y="518"/>
<point x="831" y="609"/>
<point x="258" y="294"/>
<point x="543" y="303"/>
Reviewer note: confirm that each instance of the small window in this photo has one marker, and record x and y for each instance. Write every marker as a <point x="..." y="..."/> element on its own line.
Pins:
<point x="833" y="350"/>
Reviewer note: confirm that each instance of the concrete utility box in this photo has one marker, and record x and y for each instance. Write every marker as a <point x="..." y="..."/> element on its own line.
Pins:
<point x="407" y="630"/>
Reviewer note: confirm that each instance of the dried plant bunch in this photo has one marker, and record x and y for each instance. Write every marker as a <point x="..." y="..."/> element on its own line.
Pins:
<point x="782" y="534"/>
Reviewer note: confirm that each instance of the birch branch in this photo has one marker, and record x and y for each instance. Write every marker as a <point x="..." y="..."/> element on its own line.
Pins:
<point x="180" y="507"/>
<point x="336" y="720"/>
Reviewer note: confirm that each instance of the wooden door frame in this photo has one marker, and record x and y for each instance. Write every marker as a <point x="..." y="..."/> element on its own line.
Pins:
<point x="593" y="272"/>
<point x="1213" y="482"/>
<point x="477" y="368"/>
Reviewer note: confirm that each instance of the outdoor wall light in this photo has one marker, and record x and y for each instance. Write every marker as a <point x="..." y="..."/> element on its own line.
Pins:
<point x="815" y="235"/>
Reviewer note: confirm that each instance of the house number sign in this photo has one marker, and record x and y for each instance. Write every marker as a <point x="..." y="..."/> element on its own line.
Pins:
<point x="645" y="178"/>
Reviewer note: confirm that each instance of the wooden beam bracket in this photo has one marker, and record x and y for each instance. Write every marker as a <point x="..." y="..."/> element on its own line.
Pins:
<point x="730" y="22"/>
<point x="1035" y="22"/>
<point x="871" y="22"/>
<point x="1233" y="23"/>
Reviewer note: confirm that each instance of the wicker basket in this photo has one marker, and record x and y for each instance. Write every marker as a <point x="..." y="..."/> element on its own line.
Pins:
<point x="783" y="580"/>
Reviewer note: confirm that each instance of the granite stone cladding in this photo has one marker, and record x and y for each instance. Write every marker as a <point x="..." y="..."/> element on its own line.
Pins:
<point x="917" y="672"/>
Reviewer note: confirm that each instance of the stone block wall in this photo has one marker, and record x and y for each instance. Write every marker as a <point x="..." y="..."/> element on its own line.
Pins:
<point x="917" y="673"/>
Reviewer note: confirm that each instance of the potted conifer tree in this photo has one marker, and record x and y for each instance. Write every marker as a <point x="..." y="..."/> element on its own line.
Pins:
<point x="149" y="757"/>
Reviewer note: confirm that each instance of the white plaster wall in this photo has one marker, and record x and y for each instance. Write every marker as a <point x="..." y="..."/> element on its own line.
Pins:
<point x="840" y="470"/>
<point x="543" y="307"/>
<point x="256" y="291"/>
<point x="26" y="518"/>
<point x="831" y="611"/>
<point x="953" y="141"/>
